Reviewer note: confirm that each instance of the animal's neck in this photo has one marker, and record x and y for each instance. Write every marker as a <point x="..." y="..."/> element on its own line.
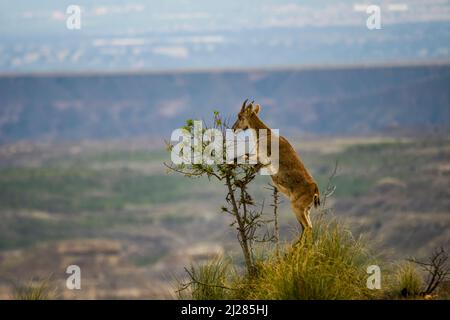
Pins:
<point x="256" y="123"/>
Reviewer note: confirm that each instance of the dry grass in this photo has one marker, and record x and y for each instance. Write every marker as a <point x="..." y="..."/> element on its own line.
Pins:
<point x="35" y="290"/>
<point x="331" y="264"/>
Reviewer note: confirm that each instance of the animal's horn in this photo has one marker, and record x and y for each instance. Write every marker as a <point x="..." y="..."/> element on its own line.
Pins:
<point x="243" y="105"/>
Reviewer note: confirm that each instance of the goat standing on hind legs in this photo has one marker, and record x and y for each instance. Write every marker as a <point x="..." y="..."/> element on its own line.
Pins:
<point x="292" y="178"/>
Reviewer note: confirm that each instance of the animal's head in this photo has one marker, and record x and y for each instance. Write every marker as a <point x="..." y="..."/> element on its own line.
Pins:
<point x="245" y="116"/>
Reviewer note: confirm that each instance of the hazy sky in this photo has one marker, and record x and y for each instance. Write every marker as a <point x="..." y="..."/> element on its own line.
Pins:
<point x="145" y="34"/>
<point x="138" y="16"/>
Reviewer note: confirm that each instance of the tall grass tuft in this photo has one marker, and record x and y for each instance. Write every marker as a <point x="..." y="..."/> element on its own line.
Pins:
<point x="329" y="265"/>
<point x="35" y="290"/>
<point x="207" y="281"/>
<point x="409" y="281"/>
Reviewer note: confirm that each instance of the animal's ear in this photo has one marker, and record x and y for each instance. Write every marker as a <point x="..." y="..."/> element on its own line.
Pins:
<point x="256" y="109"/>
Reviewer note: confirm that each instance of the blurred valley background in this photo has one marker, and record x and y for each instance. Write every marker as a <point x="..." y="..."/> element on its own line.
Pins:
<point x="84" y="114"/>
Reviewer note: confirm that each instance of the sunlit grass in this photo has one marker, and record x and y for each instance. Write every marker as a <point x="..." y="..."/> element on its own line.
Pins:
<point x="331" y="264"/>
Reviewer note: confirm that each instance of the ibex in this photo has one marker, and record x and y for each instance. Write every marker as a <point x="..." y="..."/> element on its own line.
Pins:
<point x="292" y="178"/>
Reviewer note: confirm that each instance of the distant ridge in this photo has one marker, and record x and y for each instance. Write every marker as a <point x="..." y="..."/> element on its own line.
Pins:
<point x="281" y="68"/>
<point x="338" y="100"/>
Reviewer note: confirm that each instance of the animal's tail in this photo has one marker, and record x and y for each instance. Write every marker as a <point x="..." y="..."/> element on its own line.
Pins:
<point x="316" y="197"/>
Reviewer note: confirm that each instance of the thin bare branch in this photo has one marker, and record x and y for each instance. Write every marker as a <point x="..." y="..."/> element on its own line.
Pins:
<point x="437" y="268"/>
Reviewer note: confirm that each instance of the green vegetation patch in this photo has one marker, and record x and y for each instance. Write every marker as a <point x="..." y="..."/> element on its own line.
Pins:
<point x="75" y="189"/>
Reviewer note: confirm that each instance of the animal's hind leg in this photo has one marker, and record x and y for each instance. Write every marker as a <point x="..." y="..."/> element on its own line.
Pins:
<point x="308" y="219"/>
<point x="301" y="209"/>
<point x="308" y="230"/>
